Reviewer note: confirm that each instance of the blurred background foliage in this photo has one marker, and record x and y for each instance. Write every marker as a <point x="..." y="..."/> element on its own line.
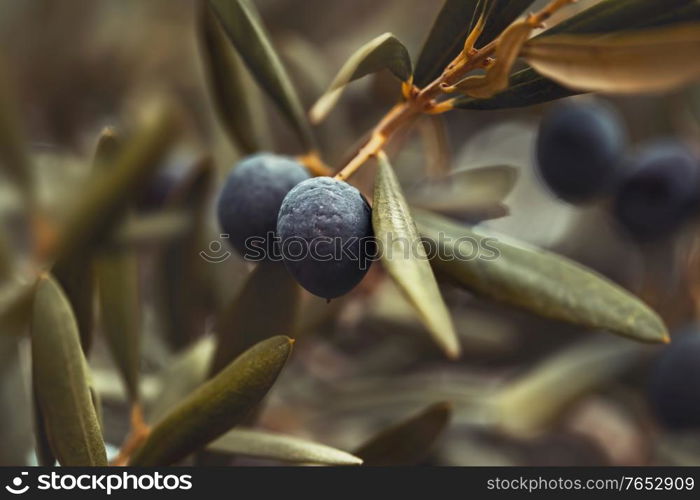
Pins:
<point x="363" y="362"/>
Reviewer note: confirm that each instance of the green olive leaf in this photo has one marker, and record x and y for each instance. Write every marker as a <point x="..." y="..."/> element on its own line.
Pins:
<point x="528" y="88"/>
<point x="145" y="230"/>
<point x="248" y="320"/>
<point x="62" y="382"/>
<point x="216" y="406"/>
<point x="16" y="299"/>
<point x="405" y="259"/>
<point x="183" y="290"/>
<point x="226" y="85"/>
<point x="648" y="61"/>
<point x="454" y="22"/>
<point x="538" y="281"/>
<point x="76" y="277"/>
<point x="408" y="442"/>
<point x="105" y="200"/>
<point x="7" y="258"/>
<point x="531" y="403"/>
<point x="245" y="30"/>
<point x="266" y="445"/>
<point x="74" y="272"/>
<point x="466" y="190"/>
<point x="14" y="156"/>
<point x="120" y="313"/>
<point x="44" y="454"/>
<point x="383" y="52"/>
<point x="16" y="432"/>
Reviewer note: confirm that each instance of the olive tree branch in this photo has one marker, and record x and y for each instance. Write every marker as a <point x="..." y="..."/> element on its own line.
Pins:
<point x="425" y="100"/>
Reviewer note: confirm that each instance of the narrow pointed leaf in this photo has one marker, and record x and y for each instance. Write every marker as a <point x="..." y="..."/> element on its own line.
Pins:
<point x="408" y="442"/>
<point x="120" y="313"/>
<point x="538" y="281"/>
<point x="467" y="188"/>
<point x="224" y="75"/>
<point x="630" y="63"/>
<point x="405" y="259"/>
<point x="266" y="306"/>
<point x="16" y="299"/>
<point x="74" y="272"/>
<point x="150" y="229"/>
<point x="61" y="381"/>
<point x="470" y="195"/>
<point x="383" y="52"/>
<point x="245" y="30"/>
<point x="533" y="401"/>
<point x="7" y="258"/>
<point x="104" y="202"/>
<point x="14" y="157"/>
<point x="616" y="15"/>
<point x="216" y="406"/>
<point x="454" y="22"/>
<point x="527" y="87"/>
<point x="265" y="445"/>
<point x="183" y="299"/>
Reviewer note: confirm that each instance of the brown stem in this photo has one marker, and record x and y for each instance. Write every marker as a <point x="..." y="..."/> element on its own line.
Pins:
<point x="139" y="432"/>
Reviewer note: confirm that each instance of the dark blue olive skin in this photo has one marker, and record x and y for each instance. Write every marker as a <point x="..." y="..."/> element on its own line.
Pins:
<point x="578" y="149"/>
<point x="659" y="192"/>
<point x="329" y="213"/>
<point x="252" y="196"/>
<point x="674" y="390"/>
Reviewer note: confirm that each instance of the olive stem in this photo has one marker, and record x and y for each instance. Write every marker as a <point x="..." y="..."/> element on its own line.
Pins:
<point x="139" y="432"/>
<point x="423" y="101"/>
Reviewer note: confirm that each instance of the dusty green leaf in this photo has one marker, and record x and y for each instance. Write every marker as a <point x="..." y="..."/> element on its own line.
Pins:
<point x="44" y="454"/>
<point x="245" y="30"/>
<point x="14" y="156"/>
<point x="533" y="401"/>
<point x="383" y="52"/>
<point x="226" y="85"/>
<point x="74" y="271"/>
<point x="7" y="258"/>
<point x="16" y="299"/>
<point x="149" y="229"/>
<point x="267" y="305"/>
<point x="183" y="292"/>
<point x="526" y="88"/>
<point x="536" y="280"/>
<point x="120" y="313"/>
<point x="266" y="445"/>
<point x="405" y="259"/>
<point x="648" y="61"/>
<point x="75" y="275"/>
<point x="465" y="191"/>
<point x="454" y="22"/>
<point x="105" y="200"/>
<point x="16" y="432"/>
<point x="616" y="15"/>
<point x="408" y="442"/>
<point x="216" y="406"/>
<point x="61" y="380"/>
